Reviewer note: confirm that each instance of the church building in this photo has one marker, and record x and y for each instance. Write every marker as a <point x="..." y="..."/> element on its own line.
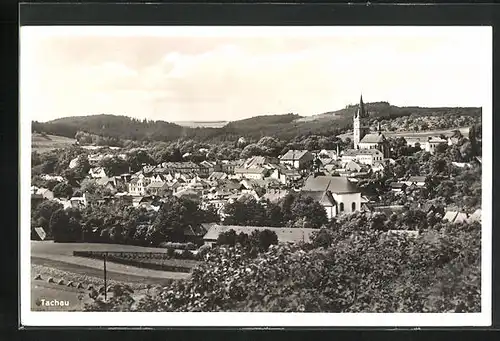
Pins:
<point x="363" y="138"/>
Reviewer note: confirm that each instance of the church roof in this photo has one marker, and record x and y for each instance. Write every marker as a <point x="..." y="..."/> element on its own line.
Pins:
<point x="373" y="138"/>
<point x="333" y="184"/>
<point x="325" y="198"/>
<point x="294" y="155"/>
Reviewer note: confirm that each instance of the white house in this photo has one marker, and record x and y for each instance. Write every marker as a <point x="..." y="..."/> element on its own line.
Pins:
<point x="45" y="193"/>
<point x="415" y="142"/>
<point x="418" y="181"/>
<point x="329" y="154"/>
<point x="365" y="156"/>
<point x="250" y="173"/>
<point x="97" y="172"/>
<point x="284" y="175"/>
<point x="296" y="158"/>
<point x="137" y="186"/>
<point x="73" y="163"/>
<point x="433" y="142"/>
<point x="337" y="194"/>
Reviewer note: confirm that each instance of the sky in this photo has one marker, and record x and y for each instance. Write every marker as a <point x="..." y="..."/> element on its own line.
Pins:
<point x="215" y="73"/>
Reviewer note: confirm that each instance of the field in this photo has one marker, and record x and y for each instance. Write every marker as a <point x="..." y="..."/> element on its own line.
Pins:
<point x="56" y="260"/>
<point x="45" y="143"/>
<point x="60" y="256"/>
<point x="207" y="124"/>
<point x="77" y="297"/>
<point x="154" y="261"/>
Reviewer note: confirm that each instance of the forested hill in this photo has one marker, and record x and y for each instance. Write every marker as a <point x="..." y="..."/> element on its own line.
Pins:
<point x="285" y="126"/>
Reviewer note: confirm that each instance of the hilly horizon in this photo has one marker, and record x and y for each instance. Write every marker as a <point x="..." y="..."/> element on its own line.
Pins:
<point x="283" y="125"/>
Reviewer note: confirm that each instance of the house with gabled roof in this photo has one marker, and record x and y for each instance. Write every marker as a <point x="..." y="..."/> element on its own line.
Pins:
<point x="158" y="188"/>
<point x="475" y="217"/>
<point x="432" y="143"/>
<point x="455" y="216"/>
<point x="45" y="193"/>
<point x="250" y="173"/>
<point x="297" y="158"/>
<point x="97" y="172"/>
<point x="284" y="234"/>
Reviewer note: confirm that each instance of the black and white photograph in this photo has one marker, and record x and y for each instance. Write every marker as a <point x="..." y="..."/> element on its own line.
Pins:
<point x="277" y="171"/>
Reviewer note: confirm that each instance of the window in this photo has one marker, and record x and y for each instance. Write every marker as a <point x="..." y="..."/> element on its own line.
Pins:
<point x="341" y="207"/>
<point x="353" y="206"/>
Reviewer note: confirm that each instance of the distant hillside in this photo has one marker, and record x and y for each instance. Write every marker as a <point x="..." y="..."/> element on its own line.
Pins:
<point x="384" y="110"/>
<point x="113" y="126"/>
<point x="44" y="143"/>
<point x="285" y="126"/>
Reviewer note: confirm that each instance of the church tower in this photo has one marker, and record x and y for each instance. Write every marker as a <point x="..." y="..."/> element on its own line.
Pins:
<point x="360" y="124"/>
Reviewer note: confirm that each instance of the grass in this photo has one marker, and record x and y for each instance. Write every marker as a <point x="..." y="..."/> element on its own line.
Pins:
<point x="86" y="274"/>
<point x="49" y="247"/>
<point x="60" y="256"/>
<point x="40" y="289"/>
<point x="157" y="261"/>
<point x="44" y="143"/>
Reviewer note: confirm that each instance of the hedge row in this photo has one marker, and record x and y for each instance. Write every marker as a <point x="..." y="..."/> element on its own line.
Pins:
<point x="154" y="261"/>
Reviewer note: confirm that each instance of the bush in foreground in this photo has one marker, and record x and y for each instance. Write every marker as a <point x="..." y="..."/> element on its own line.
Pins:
<point x="366" y="271"/>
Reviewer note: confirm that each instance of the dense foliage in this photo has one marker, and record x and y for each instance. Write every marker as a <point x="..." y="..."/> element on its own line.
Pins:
<point x="256" y="241"/>
<point x="359" y="268"/>
<point x="292" y="211"/>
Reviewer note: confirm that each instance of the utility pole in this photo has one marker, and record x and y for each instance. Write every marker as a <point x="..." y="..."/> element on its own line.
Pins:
<point x="105" y="283"/>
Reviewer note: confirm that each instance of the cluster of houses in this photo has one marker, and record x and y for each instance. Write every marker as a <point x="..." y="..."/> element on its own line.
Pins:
<point x="328" y="176"/>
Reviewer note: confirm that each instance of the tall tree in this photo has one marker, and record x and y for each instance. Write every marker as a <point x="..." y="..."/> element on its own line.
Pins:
<point x="63" y="190"/>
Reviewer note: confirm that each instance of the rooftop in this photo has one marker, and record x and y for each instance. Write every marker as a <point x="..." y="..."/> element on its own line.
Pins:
<point x="285" y="235"/>
<point x="373" y="138"/>
<point x="294" y="154"/>
<point x="333" y="184"/>
<point x="355" y="152"/>
<point x="259" y="170"/>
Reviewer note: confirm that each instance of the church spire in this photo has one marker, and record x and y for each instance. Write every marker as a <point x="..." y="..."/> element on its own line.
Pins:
<point x="361" y="110"/>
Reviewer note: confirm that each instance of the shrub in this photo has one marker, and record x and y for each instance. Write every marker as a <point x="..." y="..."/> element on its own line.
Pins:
<point x="186" y="254"/>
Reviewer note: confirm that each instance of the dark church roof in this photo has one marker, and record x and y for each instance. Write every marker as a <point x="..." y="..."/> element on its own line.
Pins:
<point x="373" y="138"/>
<point x="334" y="184"/>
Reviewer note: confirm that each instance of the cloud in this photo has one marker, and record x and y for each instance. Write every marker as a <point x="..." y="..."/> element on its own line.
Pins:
<point x="230" y="78"/>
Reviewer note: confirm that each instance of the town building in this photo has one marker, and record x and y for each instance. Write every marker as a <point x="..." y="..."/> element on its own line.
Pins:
<point x="284" y="234"/>
<point x="297" y="159"/>
<point x="432" y="143"/>
<point x="137" y="186"/>
<point x="285" y="175"/>
<point x="250" y="173"/>
<point x="336" y="194"/>
<point x="364" y="156"/>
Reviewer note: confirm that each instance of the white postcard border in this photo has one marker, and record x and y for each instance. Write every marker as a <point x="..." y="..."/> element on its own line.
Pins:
<point x="32" y="318"/>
